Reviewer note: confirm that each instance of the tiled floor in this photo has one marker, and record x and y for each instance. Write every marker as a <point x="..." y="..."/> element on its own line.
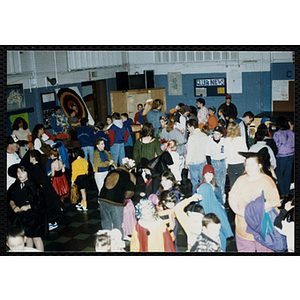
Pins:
<point x="76" y="230"/>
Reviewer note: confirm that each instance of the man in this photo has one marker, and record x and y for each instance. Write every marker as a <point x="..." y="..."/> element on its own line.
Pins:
<point x="195" y="158"/>
<point x="86" y="136"/>
<point x="138" y="117"/>
<point x="118" y="136"/>
<point x="118" y="186"/>
<point x="243" y="122"/>
<point x="229" y="108"/>
<point x="12" y="156"/>
<point x="59" y="123"/>
<point x="202" y="113"/>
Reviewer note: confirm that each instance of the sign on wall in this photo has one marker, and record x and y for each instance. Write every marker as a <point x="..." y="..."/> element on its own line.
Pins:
<point x="15" y="96"/>
<point x="174" y="83"/>
<point x="280" y="90"/>
<point x="210" y="87"/>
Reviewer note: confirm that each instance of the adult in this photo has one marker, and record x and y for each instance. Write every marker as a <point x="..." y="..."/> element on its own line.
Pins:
<point x="229" y="108"/>
<point x="284" y="139"/>
<point x="11" y="157"/>
<point x="86" y="136"/>
<point x="118" y="186"/>
<point x="184" y="113"/>
<point x="234" y="144"/>
<point x="247" y="188"/>
<point x="243" y="122"/>
<point x="59" y="123"/>
<point x="118" y="136"/>
<point x="202" y="113"/>
<point x="138" y="117"/>
<point x="155" y="113"/>
<point x="170" y="132"/>
<point x="147" y="146"/>
<point x="195" y="158"/>
<point x="21" y="131"/>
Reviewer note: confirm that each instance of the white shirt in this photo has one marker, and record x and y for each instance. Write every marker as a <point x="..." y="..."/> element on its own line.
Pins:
<point x="215" y="150"/>
<point x="233" y="146"/>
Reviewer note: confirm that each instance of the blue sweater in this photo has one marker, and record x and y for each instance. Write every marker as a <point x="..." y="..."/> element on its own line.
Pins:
<point x="86" y="136"/>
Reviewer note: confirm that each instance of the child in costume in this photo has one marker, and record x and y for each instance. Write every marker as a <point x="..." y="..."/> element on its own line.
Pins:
<point x="178" y="160"/>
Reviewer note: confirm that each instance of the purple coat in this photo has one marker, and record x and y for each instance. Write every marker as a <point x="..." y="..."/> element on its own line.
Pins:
<point x="284" y="140"/>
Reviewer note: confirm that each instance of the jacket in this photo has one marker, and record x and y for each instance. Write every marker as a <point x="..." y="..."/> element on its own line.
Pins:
<point x="196" y="147"/>
<point x="86" y="136"/>
<point x="117" y="133"/>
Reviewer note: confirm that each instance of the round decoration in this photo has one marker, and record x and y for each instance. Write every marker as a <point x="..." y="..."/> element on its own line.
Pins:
<point x="67" y="97"/>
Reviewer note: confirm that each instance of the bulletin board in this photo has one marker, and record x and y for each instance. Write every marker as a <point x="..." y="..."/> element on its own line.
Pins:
<point x="205" y="87"/>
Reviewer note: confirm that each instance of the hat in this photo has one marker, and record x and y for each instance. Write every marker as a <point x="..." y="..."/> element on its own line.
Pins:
<point x="219" y="129"/>
<point x="252" y="125"/>
<point x="265" y="120"/>
<point x="228" y="96"/>
<point x="208" y="168"/>
<point x="12" y="139"/>
<point x="213" y="109"/>
<point x="163" y="118"/>
<point x="12" y="170"/>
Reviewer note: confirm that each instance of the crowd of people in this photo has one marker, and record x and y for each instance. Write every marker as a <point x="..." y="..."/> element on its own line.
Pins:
<point x="202" y="147"/>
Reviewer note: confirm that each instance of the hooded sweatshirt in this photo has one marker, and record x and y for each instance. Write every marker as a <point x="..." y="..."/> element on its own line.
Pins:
<point x="117" y="133"/>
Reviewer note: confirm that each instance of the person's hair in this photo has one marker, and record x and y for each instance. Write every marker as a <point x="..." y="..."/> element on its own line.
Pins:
<point x="184" y="108"/>
<point x="248" y="114"/>
<point x="258" y="159"/>
<point x="201" y="100"/>
<point x="15" y="231"/>
<point x="166" y="197"/>
<point x="205" y="129"/>
<point x="156" y="103"/>
<point x="263" y="128"/>
<point x="233" y="130"/>
<point x="56" y="108"/>
<point x="192" y="123"/>
<point x="222" y="110"/>
<point x="97" y="141"/>
<point x="116" y="116"/>
<point x="36" y="154"/>
<point x="174" y="143"/>
<point x="171" y="123"/>
<point x="83" y="121"/>
<point x="193" y="110"/>
<point x="140" y="104"/>
<point x="17" y="121"/>
<point x="259" y="135"/>
<point x="210" y="218"/>
<point x="78" y="152"/>
<point x="100" y="125"/>
<point x="54" y="152"/>
<point x="169" y="175"/>
<point x="213" y="181"/>
<point x="282" y="123"/>
<point x="148" y="130"/>
<point x="103" y="240"/>
<point x="35" y="131"/>
<point x="124" y="115"/>
<point x="195" y="208"/>
<point x="70" y="111"/>
<point x="109" y="117"/>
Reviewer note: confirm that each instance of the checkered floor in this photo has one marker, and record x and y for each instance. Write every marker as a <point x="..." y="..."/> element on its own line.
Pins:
<point x="76" y="230"/>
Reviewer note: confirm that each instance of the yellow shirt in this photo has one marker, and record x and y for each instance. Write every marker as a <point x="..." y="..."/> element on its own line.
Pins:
<point x="79" y="167"/>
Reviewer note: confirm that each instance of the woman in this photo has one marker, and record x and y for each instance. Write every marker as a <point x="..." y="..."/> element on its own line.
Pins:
<point x="108" y="122"/>
<point x="154" y="114"/>
<point x="284" y="139"/>
<point x="38" y="142"/>
<point x="247" y="188"/>
<point x="184" y="113"/>
<point x="21" y="131"/>
<point x="171" y="133"/>
<point x="27" y="206"/>
<point x="234" y="144"/>
<point x="147" y="146"/>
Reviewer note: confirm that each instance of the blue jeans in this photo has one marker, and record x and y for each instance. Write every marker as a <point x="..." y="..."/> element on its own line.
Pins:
<point x="220" y="173"/>
<point x="117" y="152"/>
<point x="88" y="152"/>
<point x="284" y="173"/>
<point x="111" y="216"/>
<point x="196" y="175"/>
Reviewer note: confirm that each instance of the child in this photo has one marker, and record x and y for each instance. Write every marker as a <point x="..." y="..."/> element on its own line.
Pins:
<point x="150" y="233"/>
<point x="209" y="239"/>
<point x="79" y="176"/>
<point x="16" y="239"/>
<point x="59" y="180"/>
<point x="212" y="119"/>
<point x="221" y="115"/>
<point x="165" y="209"/>
<point x="109" y="241"/>
<point x="178" y="161"/>
<point x="102" y="161"/>
<point x="191" y="220"/>
<point x="163" y="120"/>
<point x="208" y="176"/>
<point x="127" y="122"/>
<point x="215" y="156"/>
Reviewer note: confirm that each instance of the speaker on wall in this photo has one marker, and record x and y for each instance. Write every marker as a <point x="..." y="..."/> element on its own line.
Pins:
<point x="149" y="78"/>
<point x="122" y="81"/>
